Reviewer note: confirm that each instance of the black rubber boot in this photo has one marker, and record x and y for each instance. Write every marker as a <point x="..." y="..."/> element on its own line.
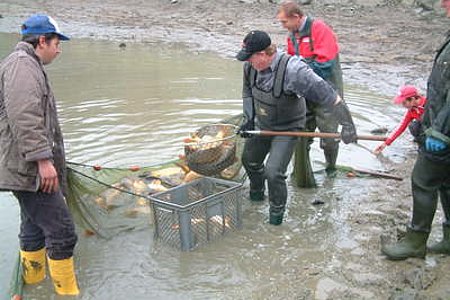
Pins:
<point x="443" y="247"/>
<point x="412" y="245"/>
<point x="276" y="218"/>
<point x="276" y="215"/>
<point x="257" y="196"/>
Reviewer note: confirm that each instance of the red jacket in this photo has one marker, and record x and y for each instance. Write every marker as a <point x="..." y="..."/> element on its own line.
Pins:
<point x="324" y="45"/>
<point x="415" y="113"/>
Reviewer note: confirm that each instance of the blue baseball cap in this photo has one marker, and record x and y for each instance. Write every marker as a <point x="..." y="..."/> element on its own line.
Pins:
<point x="42" y="24"/>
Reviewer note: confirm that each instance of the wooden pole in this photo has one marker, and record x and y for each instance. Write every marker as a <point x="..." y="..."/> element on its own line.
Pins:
<point x="315" y="134"/>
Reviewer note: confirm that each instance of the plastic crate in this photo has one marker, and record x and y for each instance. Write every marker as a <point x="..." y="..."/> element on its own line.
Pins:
<point x="195" y="213"/>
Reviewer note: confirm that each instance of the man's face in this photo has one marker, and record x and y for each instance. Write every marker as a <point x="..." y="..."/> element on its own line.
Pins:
<point x="291" y="23"/>
<point x="446" y="5"/>
<point x="48" y="50"/>
<point x="260" y="61"/>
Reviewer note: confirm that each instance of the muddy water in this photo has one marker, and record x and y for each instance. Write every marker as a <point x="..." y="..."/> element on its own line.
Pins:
<point x="133" y="105"/>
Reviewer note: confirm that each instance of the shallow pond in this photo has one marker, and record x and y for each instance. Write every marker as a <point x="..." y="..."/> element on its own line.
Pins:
<point x="133" y="105"/>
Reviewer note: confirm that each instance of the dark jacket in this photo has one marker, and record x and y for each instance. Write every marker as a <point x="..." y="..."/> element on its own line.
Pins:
<point x="29" y="127"/>
<point x="436" y="119"/>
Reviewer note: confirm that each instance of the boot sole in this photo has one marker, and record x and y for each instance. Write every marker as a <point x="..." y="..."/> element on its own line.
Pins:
<point x="396" y="258"/>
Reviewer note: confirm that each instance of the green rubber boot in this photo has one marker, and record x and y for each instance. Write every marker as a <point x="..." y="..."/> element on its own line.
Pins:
<point x="412" y="245"/>
<point x="443" y="247"/>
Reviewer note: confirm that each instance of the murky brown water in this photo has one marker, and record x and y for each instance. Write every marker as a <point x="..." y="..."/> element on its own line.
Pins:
<point x="134" y="106"/>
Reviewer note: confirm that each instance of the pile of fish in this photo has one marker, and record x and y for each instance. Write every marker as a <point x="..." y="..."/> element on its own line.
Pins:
<point x="131" y="192"/>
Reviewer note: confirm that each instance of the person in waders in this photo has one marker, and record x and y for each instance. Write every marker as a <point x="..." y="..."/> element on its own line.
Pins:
<point x="275" y="89"/>
<point x="410" y="98"/>
<point x="32" y="159"/>
<point x="431" y="173"/>
<point x="316" y="42"/>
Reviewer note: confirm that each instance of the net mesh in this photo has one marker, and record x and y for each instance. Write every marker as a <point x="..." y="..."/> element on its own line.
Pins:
<point x="211" y="149"/>
<point x="107" y="201"/>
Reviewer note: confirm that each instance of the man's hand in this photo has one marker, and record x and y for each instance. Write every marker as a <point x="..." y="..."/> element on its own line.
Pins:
<point x="348" y="132"/>
<point x="249" y="125"/>
<point x="434" y="145"/>
<point x="48" y="176"/>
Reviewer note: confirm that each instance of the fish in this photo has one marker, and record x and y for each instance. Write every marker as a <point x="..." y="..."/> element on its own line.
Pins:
<point x="218" y="220"/>
<point x="191" y="176"/>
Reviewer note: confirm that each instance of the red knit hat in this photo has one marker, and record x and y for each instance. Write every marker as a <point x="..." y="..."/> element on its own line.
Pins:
<point x="406" y="92"/>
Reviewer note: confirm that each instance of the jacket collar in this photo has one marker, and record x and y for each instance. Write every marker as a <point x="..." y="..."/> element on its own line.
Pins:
<point x="28" y="48"/>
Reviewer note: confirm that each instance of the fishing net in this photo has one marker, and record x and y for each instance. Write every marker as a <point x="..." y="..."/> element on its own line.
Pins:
<point x="107" y="201"/>
<point x="211" y="149"/>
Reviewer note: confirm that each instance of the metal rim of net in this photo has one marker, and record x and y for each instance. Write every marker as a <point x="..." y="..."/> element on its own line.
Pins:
<point x="231" y="136"/>
<point x="212" y="156"/>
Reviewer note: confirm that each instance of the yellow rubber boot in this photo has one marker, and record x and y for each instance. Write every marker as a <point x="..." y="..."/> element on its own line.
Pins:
<point x="63" y="276"/>
<point x="33" y="265"/>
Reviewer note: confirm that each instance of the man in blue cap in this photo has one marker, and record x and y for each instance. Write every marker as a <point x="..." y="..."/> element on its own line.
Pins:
<point x="275" y="88"/>
<point x="32" y="158"/>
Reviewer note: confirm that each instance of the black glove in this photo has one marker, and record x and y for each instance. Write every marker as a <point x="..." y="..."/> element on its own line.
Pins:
<point x="348" y="132"/>
<point x="249" y="125"/>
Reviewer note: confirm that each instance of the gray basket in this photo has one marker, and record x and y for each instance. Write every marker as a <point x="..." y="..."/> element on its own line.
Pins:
<point x="192" y="214"/>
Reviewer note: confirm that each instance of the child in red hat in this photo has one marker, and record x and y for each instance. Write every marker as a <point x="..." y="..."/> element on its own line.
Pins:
<point x="411" y="99"/>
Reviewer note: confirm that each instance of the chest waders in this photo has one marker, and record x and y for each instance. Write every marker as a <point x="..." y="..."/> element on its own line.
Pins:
<point x="275" y="109"/>
<point x="317" y="117"/>
<point x="267" y="158"/>
<point x="431" y="176"/>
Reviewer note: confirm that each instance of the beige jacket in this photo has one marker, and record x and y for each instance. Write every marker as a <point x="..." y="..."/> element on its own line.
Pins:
<point x="29" y="127"/>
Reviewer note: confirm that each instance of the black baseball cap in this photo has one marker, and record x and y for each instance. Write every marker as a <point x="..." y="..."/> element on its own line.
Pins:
<point x="254" y="41"/>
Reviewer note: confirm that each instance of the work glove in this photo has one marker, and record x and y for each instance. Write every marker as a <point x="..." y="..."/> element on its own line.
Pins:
<point x="242" y="131"/>
<point x="348" y="132"/>
<point x="434" y="145"/>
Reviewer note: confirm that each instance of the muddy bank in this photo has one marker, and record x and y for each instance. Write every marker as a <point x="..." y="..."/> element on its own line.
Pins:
<point x="382" y="47"/>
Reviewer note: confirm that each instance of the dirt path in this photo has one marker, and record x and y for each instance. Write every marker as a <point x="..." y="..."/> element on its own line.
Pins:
<point x="382" y="47"/>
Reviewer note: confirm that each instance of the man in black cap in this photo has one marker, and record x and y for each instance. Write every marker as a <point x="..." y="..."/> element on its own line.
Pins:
<point x="275" y="88"/>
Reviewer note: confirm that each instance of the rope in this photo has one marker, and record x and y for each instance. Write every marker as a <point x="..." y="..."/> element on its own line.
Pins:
<point x="106" y="184"/>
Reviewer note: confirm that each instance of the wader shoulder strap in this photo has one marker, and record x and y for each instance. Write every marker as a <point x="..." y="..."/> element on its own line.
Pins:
<point x="250" y="74"/>
<point x="306" y="32"/>
<point x="279" y="76"/>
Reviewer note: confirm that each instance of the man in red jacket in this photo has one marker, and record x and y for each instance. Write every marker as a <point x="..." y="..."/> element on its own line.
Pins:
<point x="316" y="42"/>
